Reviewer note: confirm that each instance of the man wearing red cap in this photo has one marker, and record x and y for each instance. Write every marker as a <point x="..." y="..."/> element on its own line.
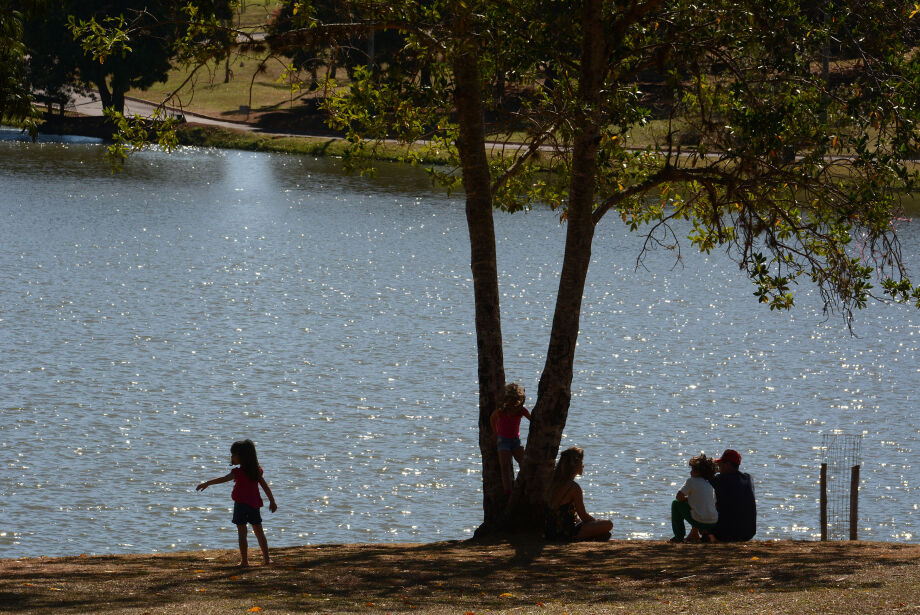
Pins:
<point x="734" y="500"/>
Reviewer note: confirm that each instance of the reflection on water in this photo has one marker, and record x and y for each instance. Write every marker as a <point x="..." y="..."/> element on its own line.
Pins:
<point x="18" y="135"/>
<point x="149" y="319"/>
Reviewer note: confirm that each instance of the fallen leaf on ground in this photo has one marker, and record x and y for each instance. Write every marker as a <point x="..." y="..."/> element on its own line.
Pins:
<point x="506" y="595"/>
<point x="254" y="609"/>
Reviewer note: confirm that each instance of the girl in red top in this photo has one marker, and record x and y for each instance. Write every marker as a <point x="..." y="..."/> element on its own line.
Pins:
<point x="246" y="500"/>
<point x="506" y="424"/>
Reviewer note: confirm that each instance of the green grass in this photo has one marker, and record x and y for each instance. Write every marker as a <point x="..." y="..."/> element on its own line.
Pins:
<point x="254" y="13"/>
<point x="257" y="81"/>
<point x="640" y="137"/>
<point x="253" y="84"/>
<point x="209" y="136"/>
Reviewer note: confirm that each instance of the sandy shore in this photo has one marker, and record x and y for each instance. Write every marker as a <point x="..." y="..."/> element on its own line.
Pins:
<point x="456" y="577"/>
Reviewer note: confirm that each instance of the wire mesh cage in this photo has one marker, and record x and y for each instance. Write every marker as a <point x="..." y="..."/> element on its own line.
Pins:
<point x="840" y="462"/>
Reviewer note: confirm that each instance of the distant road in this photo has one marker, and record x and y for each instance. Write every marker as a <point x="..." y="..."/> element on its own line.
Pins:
<point x="92" y="105"/>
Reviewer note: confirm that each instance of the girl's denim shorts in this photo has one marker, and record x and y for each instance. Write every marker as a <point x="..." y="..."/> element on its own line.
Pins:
<point x="244" y="513"/>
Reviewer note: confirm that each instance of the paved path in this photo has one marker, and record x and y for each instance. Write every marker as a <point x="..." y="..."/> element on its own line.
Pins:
<point x="92" y="105"/>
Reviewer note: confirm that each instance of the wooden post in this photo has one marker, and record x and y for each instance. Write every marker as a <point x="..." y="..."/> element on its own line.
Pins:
<point x="854" y="501"/>
<point x="823" y="501"/>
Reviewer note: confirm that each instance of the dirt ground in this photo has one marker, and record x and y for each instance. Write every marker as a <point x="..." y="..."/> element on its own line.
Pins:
<point x="462" y="577"/>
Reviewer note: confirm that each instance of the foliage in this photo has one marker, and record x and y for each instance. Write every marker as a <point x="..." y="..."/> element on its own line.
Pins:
<point x="116" y="46"/>
<point x="51" y="68"/>
<point x="796" y="175"/>
<point x="360" y="48"/>
<point x="15" y="98"/>
<point x="126" y="46"/>
<point x="136" y="133"/>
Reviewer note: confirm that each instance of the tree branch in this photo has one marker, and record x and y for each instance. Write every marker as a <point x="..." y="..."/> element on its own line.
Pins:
<point x="665" y="174"/>
<point x="301" y="37"/>
<point x="521" y="160"/>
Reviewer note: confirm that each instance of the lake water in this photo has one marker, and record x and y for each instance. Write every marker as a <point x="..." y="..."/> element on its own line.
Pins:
<point x="150" y="318"/>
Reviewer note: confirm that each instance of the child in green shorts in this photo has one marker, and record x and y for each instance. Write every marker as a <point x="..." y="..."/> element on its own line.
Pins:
<point x="695" y="502"/>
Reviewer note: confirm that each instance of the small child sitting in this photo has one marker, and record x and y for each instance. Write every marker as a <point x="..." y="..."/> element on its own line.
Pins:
<point x="696" y="502"/>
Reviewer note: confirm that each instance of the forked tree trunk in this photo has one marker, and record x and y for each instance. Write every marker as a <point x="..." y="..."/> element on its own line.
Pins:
<point x="118" y="100"/>
<point x="104" y="95"/>
<point x="478" y="187"/>
<point x="114" y="97"/>
<point x="555" y="390"/>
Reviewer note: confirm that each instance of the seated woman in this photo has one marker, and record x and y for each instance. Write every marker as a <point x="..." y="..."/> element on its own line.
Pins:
<point x="566" y="517"/>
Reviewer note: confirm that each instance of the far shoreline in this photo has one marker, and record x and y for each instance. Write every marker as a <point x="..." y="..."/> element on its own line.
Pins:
<point x="335" y="146"/>
<point x="203" y="135"/>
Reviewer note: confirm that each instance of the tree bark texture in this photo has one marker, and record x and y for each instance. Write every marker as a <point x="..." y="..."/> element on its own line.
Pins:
<point x="104" y="95"/>
<point x="113" y="96"/>
<point x="555" y="390"/>
<point x="483" y="262"/>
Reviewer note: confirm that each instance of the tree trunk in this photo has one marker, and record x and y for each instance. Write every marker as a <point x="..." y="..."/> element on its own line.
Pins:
<point x="555" y="390"/>
<point x="104" y="95"/>
<point x="118" y="100"/>
<point x="478" y="187"/>
<point x="113" y="96"/>
<point x="371" y="52"/>
<point x="226" y="24"/>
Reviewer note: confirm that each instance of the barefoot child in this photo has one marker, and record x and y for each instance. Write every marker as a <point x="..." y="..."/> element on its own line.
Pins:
<point x="506" y="424"/>
<point x="246" y="500"/>
<point x="695" y="502"/>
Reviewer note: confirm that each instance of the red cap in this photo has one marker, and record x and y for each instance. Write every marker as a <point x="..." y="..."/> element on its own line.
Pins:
<point x="731" y="456"/>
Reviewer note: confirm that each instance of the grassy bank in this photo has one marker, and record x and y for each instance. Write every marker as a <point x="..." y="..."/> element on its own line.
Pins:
<point x="254" y="79"/>
<point x="453" y="577"/>
<point x="256" y="83"/>
<point x="210" y="136"/>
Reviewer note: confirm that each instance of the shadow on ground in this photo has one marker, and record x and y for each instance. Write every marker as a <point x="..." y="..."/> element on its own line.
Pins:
<point x="443" y="575"/>
<point x="305" y="118"/>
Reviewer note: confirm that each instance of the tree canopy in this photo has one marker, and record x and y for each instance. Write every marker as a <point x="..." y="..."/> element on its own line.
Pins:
<point x="15" y="97"/>
<point x="361" y="48"/>
<point x="119" y="45"/>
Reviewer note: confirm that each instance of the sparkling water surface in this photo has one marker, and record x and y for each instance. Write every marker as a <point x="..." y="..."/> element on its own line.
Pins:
<point x="149" y="318"/>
